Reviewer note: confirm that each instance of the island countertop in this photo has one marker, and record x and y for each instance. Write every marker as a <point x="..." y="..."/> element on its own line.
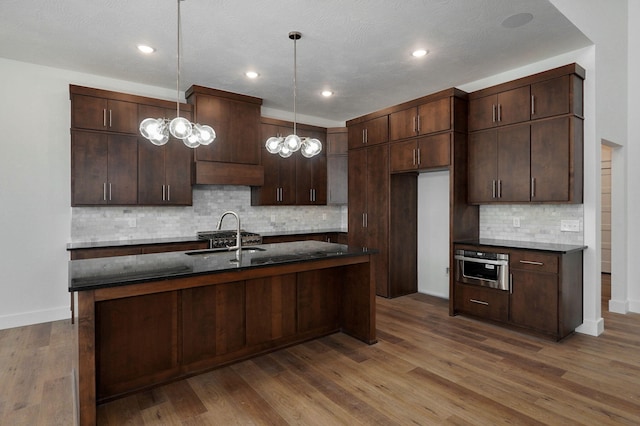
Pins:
<point x="90" y="274"/>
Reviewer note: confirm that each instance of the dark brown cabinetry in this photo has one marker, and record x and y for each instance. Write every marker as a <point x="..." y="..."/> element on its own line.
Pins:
<point x="508" y="107"/>
<point x="428" y="118"/>
<point x="544" y="296"/>
<point x="164" y="172"/>
<point x="499" y="165"/>
<point x="96" y="113"/>
<point x="541" y="158"/>
<point x="429" y="152"/>
<point x="103" y="168"/>
<point x="369" y="132"/>
<point x="337" y="165"/>
<point x="546" y="292"/>
<point x="111" y="164"/>
<point x="295" y="180"/>
<point x="234" y="157"/>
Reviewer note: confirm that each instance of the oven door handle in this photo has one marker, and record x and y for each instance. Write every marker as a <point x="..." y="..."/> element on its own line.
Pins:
<point x="487" y="261"/>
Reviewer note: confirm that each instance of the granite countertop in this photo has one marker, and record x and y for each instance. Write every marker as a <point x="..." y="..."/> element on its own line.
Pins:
<point x="193" y="238"/>
<point x="528" y="245"/>
<point x="90" y="274"/>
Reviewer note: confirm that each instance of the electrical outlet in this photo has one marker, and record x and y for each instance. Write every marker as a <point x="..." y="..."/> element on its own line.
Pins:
<point x="132" y="222"/>
<point x="273" y="218"/>
<point x="516" y="222"/>
<point x="570" y="225"/>
<point x="324" y="216"/>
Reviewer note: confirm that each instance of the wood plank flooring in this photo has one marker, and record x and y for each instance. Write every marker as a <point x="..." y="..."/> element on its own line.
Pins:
<point x="427" y="368"/>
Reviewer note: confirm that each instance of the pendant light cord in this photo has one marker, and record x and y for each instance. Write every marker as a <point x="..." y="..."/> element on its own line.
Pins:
<point x="178" y="66"/>
<point x="295" y="72"/>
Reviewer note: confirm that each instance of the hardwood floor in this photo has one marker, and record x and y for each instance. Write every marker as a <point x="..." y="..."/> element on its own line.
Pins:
<point x="427" y="368"/>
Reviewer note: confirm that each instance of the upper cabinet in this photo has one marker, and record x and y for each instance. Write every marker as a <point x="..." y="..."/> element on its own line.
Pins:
<point x="535" y="156"/>
<point x="370" y="132"/>
<point x="295" y="180"/>
<point x="431" y="117"/>
<point x="164" y="172"/>
<point x="234" y="156"/>
<point x="96" y="113"/>
<point x="112" y="164"/>
<point x="508" y="107"/>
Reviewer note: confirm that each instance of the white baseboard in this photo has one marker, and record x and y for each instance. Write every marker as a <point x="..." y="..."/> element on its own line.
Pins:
<point x="619" y="306"/>
<point x="34" y="317"/>
<point x="591" y="328"/>
<point x="634" y="306"/>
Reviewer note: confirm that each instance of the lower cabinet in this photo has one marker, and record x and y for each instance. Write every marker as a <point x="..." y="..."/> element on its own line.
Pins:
<point x="544" y="297"/>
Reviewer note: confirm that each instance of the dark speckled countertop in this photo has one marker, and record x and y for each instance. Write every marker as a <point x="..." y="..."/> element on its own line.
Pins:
<point x="104" y="272"/>
<point x="527" y="245"/>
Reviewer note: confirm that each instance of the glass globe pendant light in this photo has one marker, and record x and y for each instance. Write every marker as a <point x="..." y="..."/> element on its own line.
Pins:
<point x="285" y="147"/>
<point x="157" y="130"/>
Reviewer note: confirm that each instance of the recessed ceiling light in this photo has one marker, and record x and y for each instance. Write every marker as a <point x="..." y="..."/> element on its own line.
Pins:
<point x="146" y="49"/>
<point x="419" y="53"/>
<point x="251" y="74"/>
<point x="517" y="20"/>
<point x="327" y="93"/>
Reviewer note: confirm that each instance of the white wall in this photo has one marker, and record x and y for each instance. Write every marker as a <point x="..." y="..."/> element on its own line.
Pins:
<point x="433" y="233"/>
<point x="35" y="216"/>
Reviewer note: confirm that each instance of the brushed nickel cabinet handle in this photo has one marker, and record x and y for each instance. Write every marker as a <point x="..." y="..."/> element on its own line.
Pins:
<point x="104" y="191"/>
<point x="104" y="117"/>
<point x="533" y="105"/>
<point x="479" y="302"/>
<point x="493" y="188"/>
<point x="533" y="187"/>
<point x="499" y="188"/>
<point x="418" y="127"/>
<point x="163" y="194"/>
<point x="415" y="127"/>
<point x="109" y="191"/>
<point x="419" y="157"/>
<point x="531" y="262"/>
<point x="414" y="156"/>
<point x="493" y="113"/>
<point x="168" y="192"/>
<point x="499" y="112"/>
<point x="110" y="118"/>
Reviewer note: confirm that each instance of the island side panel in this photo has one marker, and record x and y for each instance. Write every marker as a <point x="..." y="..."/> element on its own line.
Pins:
<point x="86" y="362"/>
<point x="358" y="310"/>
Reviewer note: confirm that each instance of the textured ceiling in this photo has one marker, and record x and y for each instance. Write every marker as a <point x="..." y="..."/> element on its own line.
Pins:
<point x="360" y="49"/>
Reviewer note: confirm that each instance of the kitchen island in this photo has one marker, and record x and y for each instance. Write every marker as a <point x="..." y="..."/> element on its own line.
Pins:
<point x="149" y="319"/>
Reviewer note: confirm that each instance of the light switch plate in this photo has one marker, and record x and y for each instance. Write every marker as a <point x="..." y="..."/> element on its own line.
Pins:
<point x="570" y="225"/>
<point x="516" y="222"/>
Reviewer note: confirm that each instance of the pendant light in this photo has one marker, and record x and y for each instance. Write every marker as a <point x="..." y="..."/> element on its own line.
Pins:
<point x="157" y="130"/>
<point x="309" y="147"/>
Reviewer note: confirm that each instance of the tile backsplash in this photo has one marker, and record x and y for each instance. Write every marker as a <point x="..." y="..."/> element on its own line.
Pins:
<point x="106" y="223"/>
<point x="540" y="223"/>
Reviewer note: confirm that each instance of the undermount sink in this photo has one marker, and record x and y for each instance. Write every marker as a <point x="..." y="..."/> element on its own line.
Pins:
<point x="222" y="250"/>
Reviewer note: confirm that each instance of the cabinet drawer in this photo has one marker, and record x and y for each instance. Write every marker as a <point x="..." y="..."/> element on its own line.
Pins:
<point x="483" y="302"/>
<point x="533" y="261"/>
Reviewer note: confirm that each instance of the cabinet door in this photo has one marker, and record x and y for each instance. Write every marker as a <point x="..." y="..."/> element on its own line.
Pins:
<point x="514" y="158"/>
<point x="151" y="173"/>
<point x="434" y="151"/>
<point x="237" y="127"/>
<point x="403" y="156"/>
<point x="483" y="166"/>
<point x="178" y="166"/>
<point x="534" y="300"/>
<point x="357" y="203"/>
<point x="370" y="132"/>
<point x="514" y="106"/>
<point x="122" y="169"/>
<point x="89" y="152"/>
<point x="551" y="97"/>
<point x="482" y="112"/>
<point x="122" y="117"/>
<point x="403" y="124"/>
<point x="311" y="174"/>
<point x="377" y="220"/>
<point x="551" y="171"/>
<point x="90" y="112"/>
<point x="434" y="116"/>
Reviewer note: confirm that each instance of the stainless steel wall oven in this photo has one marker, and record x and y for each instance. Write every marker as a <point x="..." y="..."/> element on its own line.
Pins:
<point x="482" y="268"/>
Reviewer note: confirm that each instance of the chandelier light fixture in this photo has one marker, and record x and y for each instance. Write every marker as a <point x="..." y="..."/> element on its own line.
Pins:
<point x="157" y="130"/>
<point x="309" y="147"/>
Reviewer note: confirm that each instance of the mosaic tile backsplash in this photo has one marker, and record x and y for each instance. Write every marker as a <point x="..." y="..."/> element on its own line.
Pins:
<point x="91" y="224"/>
<point x="540" y="223"/>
